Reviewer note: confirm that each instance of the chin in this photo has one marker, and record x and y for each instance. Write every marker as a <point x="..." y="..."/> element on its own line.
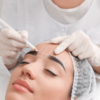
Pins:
<point x="11" y="98"/>
<point x="14" y="96"/>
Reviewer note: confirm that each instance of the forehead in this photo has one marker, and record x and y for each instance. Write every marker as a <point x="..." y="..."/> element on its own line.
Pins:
<point x="46" y="49"/>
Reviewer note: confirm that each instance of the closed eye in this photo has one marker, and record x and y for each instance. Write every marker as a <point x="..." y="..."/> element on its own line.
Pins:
<point x="51" y="72"/>
<point x="45" y="69"/>
<point x="24" y="62"/>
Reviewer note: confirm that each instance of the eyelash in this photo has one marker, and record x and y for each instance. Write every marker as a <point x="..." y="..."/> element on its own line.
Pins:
<point x="45" y="69"/>
<point x="51" y="72"/>
<point x="23" y="62"/>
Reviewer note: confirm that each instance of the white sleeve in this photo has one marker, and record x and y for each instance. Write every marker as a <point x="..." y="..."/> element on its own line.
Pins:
<point x="9" y="12"/>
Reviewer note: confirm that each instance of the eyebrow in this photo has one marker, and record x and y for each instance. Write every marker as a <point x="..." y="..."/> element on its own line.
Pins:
<point x="49" y="57"/>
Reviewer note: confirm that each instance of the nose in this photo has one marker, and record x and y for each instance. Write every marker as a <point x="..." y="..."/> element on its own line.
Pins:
<point x="28" y="71"/>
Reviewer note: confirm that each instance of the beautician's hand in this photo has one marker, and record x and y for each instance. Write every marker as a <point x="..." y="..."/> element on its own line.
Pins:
<point x="80" y="45"/>
<point x="11" y="44"/>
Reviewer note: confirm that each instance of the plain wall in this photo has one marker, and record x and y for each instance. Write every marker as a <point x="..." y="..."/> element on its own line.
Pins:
<point x="0" y="6"/>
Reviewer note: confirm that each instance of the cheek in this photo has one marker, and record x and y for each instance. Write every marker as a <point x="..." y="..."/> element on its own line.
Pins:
<point x="15" y="75"/>
<point x="54" y="89"/>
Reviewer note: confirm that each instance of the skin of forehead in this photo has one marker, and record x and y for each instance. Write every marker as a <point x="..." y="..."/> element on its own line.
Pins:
<point x="46" y="49"/>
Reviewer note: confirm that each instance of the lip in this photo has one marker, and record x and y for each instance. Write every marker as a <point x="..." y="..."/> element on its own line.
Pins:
<point x="22" y="86"/>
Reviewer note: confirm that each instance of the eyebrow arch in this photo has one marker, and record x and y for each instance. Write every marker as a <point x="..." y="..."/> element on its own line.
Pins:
<point x="49" y="57"/>
<point x="56" y="60"/>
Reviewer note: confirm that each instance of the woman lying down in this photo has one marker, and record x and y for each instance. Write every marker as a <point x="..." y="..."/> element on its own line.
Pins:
<point x="43" y="75"/>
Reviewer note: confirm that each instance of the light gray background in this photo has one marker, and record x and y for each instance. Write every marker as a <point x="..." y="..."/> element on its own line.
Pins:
<point x="0" y="6"/>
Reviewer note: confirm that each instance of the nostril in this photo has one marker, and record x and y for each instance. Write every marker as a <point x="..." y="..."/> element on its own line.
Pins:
<point x="22" y="73"/>
<point x="28" y="74"/>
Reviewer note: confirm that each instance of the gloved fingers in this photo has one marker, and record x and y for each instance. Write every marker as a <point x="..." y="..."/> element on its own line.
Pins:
<point x="76" y="44"/>
<point x="82" y="49"/>
<point x="11" y="34"/>
<point x="82" y="56"/>
<point x="80" y="40"/>
<point x="16" y="44"/>
<point x="18" y="49"/>
<point x="10" y="48"/>
<point x="59" y="39"/>
<point x="85" y="53"/>
<point x="78" y="51"/>
<point x="13" y="48"/>
<point x="11" y="60"/>
<point x="1" y="53"/>
<point x="8" y="53"/>
<point x="64" y="45"/>
<point x="24" y="34"/>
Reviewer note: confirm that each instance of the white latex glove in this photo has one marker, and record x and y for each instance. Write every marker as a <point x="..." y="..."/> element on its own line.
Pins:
<point x="11" y="44"/>
<point x="80" y="45"/>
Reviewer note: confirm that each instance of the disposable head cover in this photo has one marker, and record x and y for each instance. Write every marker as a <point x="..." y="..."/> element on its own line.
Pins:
<point x="84" y="82"/>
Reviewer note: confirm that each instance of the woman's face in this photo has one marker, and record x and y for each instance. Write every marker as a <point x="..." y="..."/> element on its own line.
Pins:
<point x="49" y="76"/>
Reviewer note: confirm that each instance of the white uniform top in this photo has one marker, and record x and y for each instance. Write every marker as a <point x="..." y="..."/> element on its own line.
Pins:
<point x="32" y="16"/>
<point x="41" y="24"/>
<point x="67" y="16"/>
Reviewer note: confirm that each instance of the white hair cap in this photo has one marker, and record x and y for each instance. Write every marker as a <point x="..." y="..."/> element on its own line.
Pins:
<point x="84" y="82"/>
